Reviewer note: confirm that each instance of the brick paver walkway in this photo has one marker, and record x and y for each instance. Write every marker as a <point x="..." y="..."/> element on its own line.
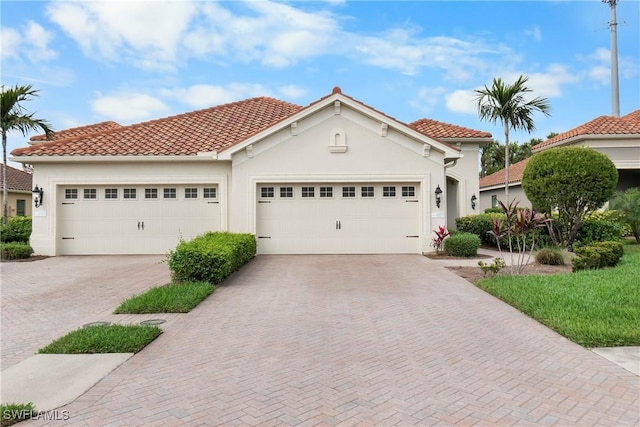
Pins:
<point x="352" y="340"/>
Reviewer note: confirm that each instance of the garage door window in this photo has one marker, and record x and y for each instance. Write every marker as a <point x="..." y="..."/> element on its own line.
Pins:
<point x="348" y="191"/>
<point x="266" y="192"/>
<point x="190" y="193"/>
<point x="209" y="193"/>
<point x="388" y="191"/>
<point x="150" y="193"/>
<point x="286" y="192"/>
<point x="326" y="192"/>
<point x="409" y="191"/>
<point x="308" y="192"/>
<point x="129" y="193"/>
<point x="71" y="193"/>
<point x="90" y="194"/>
<point x="170" y="193"/>
<point x="367" y="192"/>
<point x="110" y="193"/>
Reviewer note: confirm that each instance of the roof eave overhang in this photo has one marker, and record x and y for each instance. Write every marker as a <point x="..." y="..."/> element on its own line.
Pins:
<point x="578" y="138"/>
<point x="449" y="152"/>
<point x="200" y="157"/>
<point x="500" y="186"/>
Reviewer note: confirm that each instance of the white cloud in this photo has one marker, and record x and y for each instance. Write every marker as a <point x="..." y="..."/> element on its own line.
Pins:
<point x="534" y="33"/>
<point x="147" y="33"/>
<point x="125" y="107"/>
<point x="31" y="41"/>
<point x="462" y="101"/>
<point x="549" y="83"/>
<point x="427" y="98"/>
<point x="292" y="91"/>
<point x="10" y="42"/>
<point x="599" y="66"/>
<point x="200" y="96"/>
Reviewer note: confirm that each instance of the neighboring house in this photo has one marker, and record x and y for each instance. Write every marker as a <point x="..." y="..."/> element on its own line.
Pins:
<point x="617" y="137"/>
<point x="336" y="176"/>
<point x="18" y="191"/>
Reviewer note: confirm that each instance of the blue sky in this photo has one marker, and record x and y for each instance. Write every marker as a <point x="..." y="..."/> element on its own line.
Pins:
<point x="131" y="61"/>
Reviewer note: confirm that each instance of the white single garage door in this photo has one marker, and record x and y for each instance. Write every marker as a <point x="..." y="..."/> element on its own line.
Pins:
<point x="133" y="219"/>
<point x="338" y="218"/>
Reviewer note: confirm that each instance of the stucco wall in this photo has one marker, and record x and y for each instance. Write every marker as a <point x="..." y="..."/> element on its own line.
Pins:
<point x="13" y="198"/>
<point x="515" y="192"/>
<point x="305" y="157"/>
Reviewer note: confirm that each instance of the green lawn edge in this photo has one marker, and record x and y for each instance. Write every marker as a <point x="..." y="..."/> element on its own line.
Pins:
<point x="104" y="339"/>
<point x="169" y="298"/>
<point x="13" y="413"/>
<point x="593" y="308"/>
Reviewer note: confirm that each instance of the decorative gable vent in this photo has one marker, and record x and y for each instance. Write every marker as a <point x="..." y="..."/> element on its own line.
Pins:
<point x="337" y="141"/>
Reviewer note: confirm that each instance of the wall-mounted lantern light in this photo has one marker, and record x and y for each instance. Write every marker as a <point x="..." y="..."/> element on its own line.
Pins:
<point x="474" y="199"/>
<point x="438" y="195"/>
<point x="38" y="196"/>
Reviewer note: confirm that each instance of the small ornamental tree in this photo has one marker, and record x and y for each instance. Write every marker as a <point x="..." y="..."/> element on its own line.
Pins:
<point x="571" y="180"/>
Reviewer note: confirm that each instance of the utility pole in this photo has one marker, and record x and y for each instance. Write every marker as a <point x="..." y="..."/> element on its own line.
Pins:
<point x="613" y="25"/>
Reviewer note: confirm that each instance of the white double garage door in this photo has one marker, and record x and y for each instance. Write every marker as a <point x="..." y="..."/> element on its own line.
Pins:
<point x="338" y="218"/>
<point x="309" y="218"/>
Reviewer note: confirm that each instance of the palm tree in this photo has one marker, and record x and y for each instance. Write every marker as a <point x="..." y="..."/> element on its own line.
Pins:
<point x="508" y="104"/>
<point x="628" y="202"/>
<point x="14" y="117"/>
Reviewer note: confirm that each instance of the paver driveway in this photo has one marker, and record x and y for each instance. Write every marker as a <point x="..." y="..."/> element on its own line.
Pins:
<point x="357" y="340"/>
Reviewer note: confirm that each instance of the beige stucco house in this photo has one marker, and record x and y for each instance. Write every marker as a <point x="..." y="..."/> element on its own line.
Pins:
<point x="18" y="192"/>
<point x="336" y="176"/>
<point x="617" y="137"/>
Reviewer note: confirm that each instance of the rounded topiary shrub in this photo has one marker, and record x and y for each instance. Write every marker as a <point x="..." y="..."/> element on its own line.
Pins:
<point x="548" y="256"/>
<point x="15" y="250"/>
<point x="462" y="245"/>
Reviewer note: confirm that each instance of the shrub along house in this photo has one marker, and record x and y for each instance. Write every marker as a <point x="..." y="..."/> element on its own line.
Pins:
<point x="617" y="137"/>
<point x="336" y="176"/>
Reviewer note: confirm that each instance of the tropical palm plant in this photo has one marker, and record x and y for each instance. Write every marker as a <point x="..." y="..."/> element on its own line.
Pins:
<point x="508" y="104"/>
<point x="15" y="117"/>
<point x="628" y="202"/>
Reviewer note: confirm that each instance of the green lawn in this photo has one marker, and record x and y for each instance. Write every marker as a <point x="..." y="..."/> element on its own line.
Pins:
<point x="104" y="339"/>
<point x="594" y="308"/>
<point x="170" y="298"/>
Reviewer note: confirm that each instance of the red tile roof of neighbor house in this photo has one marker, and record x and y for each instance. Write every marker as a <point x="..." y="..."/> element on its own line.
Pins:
<point x="497" y="178"/>
<point x="16" y="179"/>
<point x="212" y="129"/>
<point x="603" y="125"/>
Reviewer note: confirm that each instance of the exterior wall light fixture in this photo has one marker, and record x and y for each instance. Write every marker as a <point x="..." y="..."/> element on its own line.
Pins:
<point x="474" y="199"/>
<point x="38" y="196"/>
<point x="438" y="193"/>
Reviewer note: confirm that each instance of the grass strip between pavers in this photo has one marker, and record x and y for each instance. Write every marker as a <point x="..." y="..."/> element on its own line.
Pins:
<point x="170" y="298"/>
<point x="593" y="308"/>
<point x="104" y="339"/>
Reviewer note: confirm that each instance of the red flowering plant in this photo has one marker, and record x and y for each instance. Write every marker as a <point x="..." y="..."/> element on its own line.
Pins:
<point x="438" y="241"/>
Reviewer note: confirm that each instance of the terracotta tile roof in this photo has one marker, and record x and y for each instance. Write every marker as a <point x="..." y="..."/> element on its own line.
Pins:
<point x="436" y="129"/>
<point x="78" y="131"/>
<point x="16" y="179"/>
<point x="497" y="178"/>
<point x="212" y="129"/>
<point x="603" y="125"/>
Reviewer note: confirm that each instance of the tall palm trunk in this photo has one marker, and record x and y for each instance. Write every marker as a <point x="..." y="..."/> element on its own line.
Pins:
<point x="5" y="195"/>
<point x="506" y="163"/>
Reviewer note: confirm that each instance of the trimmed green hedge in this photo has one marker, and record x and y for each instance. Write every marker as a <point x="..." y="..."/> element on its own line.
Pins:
<point x="15" y="250"/>
<point x="462" y="244"/>
<point x="18" y="229"/>
<point x="211" y="257"/>
<point x="480" y="225"/>
<point x="598" y="255"/>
